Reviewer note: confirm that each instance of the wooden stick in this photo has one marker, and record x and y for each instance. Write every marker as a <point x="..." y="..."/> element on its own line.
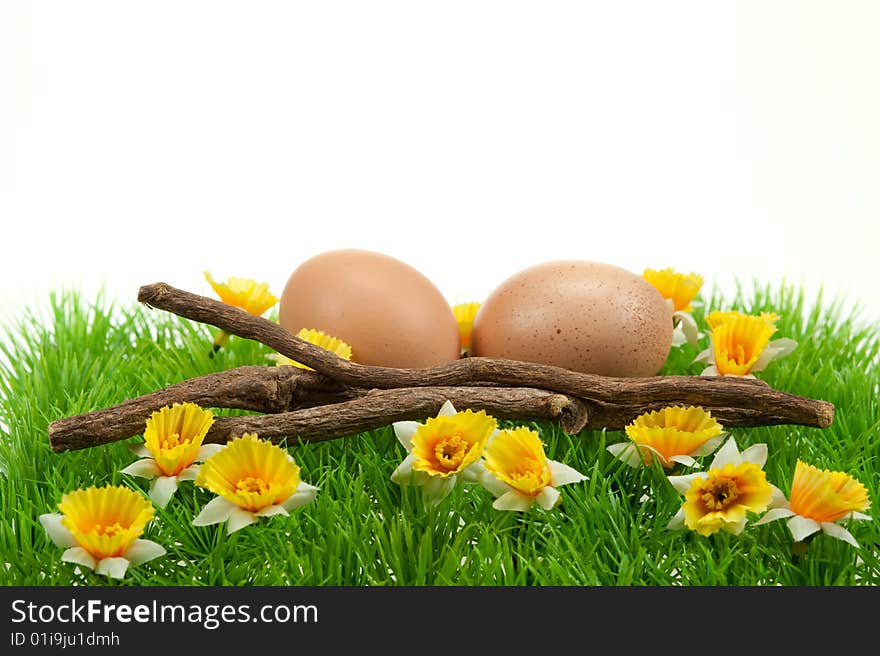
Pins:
<point x="373" y="409"/>
<point x="707" y="391"/>
<point x="258" y="388"/>
<point x="383" y="407"/>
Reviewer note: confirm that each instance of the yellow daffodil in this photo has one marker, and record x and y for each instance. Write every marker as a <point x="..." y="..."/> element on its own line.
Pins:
<point x="720" y="498"/>
<point x="465" y="313"/>
<point x="100" y="528"/>
<point x="172" y="446"/>
<point x="740" y="344"/>
<point x="252" y="478"/>
<point x="518" y="473"/>
<point x="675" y="434"/>
<point x="442" y="450"/>
<point x="320" y="339"/>
<point x="243" y="293"/>
<point x="819" y="500"/>
<point x="679" y="290"/>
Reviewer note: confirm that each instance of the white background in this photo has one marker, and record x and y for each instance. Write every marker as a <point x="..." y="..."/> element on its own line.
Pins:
<point x="150" y="141"/>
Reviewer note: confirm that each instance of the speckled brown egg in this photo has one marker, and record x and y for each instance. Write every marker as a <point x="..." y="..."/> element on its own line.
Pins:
<point x="585" y="316"/>
<point x="390" y="314"/>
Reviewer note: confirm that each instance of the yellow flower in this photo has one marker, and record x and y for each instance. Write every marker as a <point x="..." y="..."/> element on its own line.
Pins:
<point x="443" y="449"/>
<point x="101" y="527"/>
<point x="719" y="499"/>
<point x="318" y="338"/>
<point x="248" y="295"/>
<point x="519" y="474"/>
<point x="740" y="344"/>
<point x="675" y="434"/>
<point x="252" y="297"/>
<point x="172" y="445"/>
<point x="819" y="500"/>
<point x="253" y="478"/>
<point x="465" y="313"/>
<point x="679" y="290"/>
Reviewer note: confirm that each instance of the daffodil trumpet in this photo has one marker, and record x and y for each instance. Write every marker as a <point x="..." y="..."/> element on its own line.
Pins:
<point x="465" y="313"/>
<point x="443" y="450"/>
<point x="317" y="338"/>
<point x="820" y="500"/>
<point x="253" y="479"/>
<point x="740" y="344"/>
<point x="721" y="498"/>
<point x="679" y="290"/>
<point x="518" y="473"/>
<point x="100" y="528"/>
<point x="672" y="435"/>
<point x="251" y="296"/>
<point x="172" y="448"/>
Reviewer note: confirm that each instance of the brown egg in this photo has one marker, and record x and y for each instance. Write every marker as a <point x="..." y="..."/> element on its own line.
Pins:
<point x="388" y="312"/>
<point x="585" y="316"/>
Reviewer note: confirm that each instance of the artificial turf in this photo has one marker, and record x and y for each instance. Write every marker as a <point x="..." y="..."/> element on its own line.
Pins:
<point x="71" y="354"/>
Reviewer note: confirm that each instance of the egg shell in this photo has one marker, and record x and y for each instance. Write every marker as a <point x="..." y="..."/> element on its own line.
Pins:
<point x="584" y="316"/>
<point x="390" y="314"/>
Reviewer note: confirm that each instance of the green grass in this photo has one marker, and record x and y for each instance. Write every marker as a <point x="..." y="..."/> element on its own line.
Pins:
<point x="75" y="354"/>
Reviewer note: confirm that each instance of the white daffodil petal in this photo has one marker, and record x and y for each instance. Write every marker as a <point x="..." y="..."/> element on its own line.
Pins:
<point x="858" y="515"/>
<point x="678" y="337"/>
<point x="711" y="370"/>
<point x="688" y="327"/>
<point x="737" y="527"/>
<point x="208" y="450"/>
<point x="709" y="446"/>
<point x="495" y="486"/>
<point x="162" y="489"/>
<point x="727" y="454"/>
<point x="146" y="468"/>
<point x="755" y="454"/>
<point x="141" y="551"/>
<point x="188" y="474"/>
<point x="447" y="410"/>
<point x="303" y="494"/>
<point x="687" y="461"/>
<point x="513" y="500"/>
<point x="548" y="497"/>
<point x="238" y="519"/>
<point x="777" y="498"/>
<point x="215" y="511"/>
<point x="802" y="527"/>
<point x="683" y="483"/>
<point x="272" y="510"/>
<point x="79" y="556"/>
<point x="837" y="531"/>
<point x="626" y="452"/>
<point x="775" y="350"/>
<point x="706" y="356"/>
<point x="57" y="532"/>
<point x="115" y="568"/>
<point x="404" y="431"/>
<point x="406" y="475"/>
<point x="562" y="474"/>
<point x="140" y="450"/>
<point x="438" y="488"/>
<point x="472" y="473"/>
<point x="773" y="514"/>
<point x="677" y="522"/>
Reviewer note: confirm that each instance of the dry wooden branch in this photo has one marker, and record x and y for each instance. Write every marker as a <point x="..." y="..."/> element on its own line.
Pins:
<point x="257" y="388"/>
<point x="382" y="407"/>
<point x="710" y="392"/>
<point x="343" y="398"/>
